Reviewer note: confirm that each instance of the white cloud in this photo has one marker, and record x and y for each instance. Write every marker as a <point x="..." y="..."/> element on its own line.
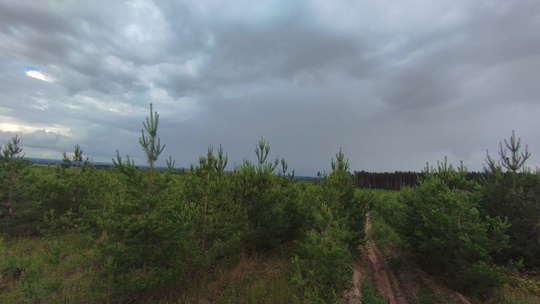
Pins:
<point x="30" y="128"/>
<point x="40" y="75"/>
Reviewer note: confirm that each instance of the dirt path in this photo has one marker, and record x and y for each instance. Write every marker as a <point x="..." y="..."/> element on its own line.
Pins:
<point x="354" y="294"/>
<point x="375" y="268"/>
<point x="385" y="281"/>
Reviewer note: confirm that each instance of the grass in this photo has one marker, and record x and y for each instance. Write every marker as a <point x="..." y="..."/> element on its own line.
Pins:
<point x="370" y="294"/>
<point x="385" y="236"/>
<point x="523" y="289"/>
<point x="428" y="295"/>
<point x="51" y="270"/>
<point x="65" y="269"/>
<point x="254" y="279"/>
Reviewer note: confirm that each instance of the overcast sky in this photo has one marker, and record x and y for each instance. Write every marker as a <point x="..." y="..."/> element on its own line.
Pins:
<point x="395" y="84"/>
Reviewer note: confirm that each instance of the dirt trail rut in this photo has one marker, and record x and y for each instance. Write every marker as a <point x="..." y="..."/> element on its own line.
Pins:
<point x="354" y="294"/>
<point x="375" y="268"/>
<point x="385" y="281"/>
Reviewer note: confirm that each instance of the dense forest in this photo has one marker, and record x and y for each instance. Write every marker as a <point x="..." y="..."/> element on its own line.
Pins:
<point x="80" y="234"/>
<point x="398" y="179"/>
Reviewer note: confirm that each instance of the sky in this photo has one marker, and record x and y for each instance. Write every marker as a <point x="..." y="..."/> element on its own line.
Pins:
<point x="394" y="84"/>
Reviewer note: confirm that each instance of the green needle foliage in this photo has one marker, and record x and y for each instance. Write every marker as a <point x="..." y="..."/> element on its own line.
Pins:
<point x="341" y="197"/>
<point x="514" y="192"/>
<point x="448" y="235"/>
<point x="12" y="166"/>
<point x="221" y="224"/>
<point x="333" y="232"/>
<point x="150" y="143"/>
<point x="77" y="159"/>
<point x="12" y="149"/>
<point x="268" y="198"/>
<point x="145" y="233"/>
<point x="322" y="264"/>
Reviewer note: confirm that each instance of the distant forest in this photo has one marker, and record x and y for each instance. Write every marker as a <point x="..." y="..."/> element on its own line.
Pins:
<point x="397" y="179"/>
<point x="362" y="179"/>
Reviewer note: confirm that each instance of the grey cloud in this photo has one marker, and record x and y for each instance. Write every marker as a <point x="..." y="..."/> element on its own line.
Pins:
<point x="393" y="84"/>
<point x="243" y="54"/>
<point x="39" y="139"/>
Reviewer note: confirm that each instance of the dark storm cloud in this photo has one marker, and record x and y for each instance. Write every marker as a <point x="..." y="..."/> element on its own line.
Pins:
<point x="394" y="84"/>
<point x="242" y="52"/>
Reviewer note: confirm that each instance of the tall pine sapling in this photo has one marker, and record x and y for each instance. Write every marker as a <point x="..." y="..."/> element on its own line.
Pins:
<point x="262" y="150"/>
<point x="259" y="190"/>
<point x="340" y="179"/>
<point x="13" y="164"/>
<point x="211" y="169"/>
<point x="170" y="164"/>
<point x="510" y="189"/>
<point x="351" y="210"/>
<point x="511" y="157"/>
<point x="144" y="227"/>
<point x="77" y="159"/>
<point x="150" y="143"/>
<point x="516" y="160"/>
<point x="12" y="149"/>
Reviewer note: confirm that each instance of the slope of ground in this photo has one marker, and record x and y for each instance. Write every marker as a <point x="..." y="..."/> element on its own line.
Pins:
<point x="410" y="285"/>
<point x="375" y="269"/>
<point x="378" y="269"/>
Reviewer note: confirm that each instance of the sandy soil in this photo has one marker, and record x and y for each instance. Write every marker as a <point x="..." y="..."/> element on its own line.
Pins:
<point x="375" y="267"/>
<point x="386" y="282"/>
<point x="354" y="294"/>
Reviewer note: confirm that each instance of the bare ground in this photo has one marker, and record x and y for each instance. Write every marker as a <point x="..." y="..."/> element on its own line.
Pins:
<point x="354" y="294"/>
<point x="395" y="289"/>
<point x="378" y="271"/>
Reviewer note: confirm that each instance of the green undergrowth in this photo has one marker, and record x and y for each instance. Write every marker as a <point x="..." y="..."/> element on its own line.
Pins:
<point x="429" y="295"/>
<point x="384" y="235"/>
<point x="523" y="288"/>
<point x="384" y="205"/>
<point x="60" y="269"/>
<point x="386" y="211"/>
<point x="370" y="294"/>
<point x="254" y="279"/>
<point x="65" y="269"/>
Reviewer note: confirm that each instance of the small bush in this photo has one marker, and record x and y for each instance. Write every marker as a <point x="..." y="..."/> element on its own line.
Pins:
<point x="427" y="295"/>
<point x="481" y="280"/>
<point x="322" y="267"/>
<point x="371" y="295"/>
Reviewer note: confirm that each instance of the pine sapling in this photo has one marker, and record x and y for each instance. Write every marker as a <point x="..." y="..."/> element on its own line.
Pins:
<point x="150" y="143"/>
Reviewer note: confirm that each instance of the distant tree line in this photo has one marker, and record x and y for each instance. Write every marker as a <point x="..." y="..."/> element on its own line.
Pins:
<point x="397" y="180"/>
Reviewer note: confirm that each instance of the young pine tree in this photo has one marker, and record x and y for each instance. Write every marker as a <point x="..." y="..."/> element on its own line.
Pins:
<point x="12" y="164"/>
<point x="77" y="160"/>
<point x="150" y="143"/>
<point x="511" y="190"/>
<point x="146" y="232"/>
<point x="446" y="233"/>
<point x="351" y="210"/>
